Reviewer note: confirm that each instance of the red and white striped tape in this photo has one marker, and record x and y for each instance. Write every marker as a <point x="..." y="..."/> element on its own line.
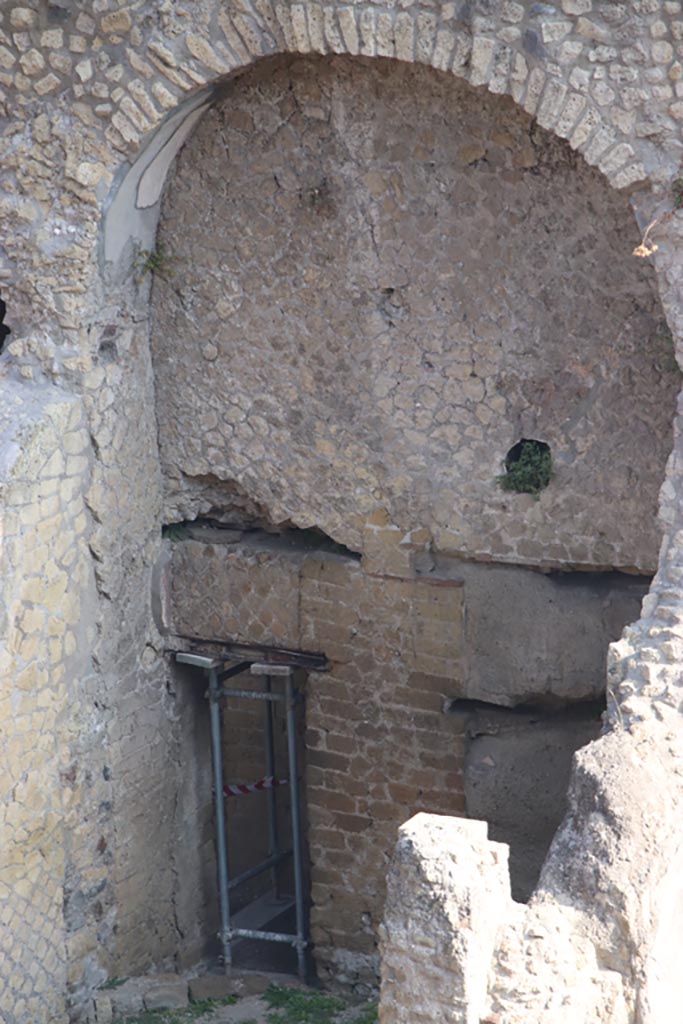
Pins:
<point x="254" y="787"/>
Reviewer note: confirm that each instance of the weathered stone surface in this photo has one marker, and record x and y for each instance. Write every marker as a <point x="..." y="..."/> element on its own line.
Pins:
<point x="516" y="774"/>
<point x="104" y="1013"/>
<point x="87" y="706"/>
<point x="211" y="986"/>
<point x="127" y="999"/>
<point x="448" y="896"/>
<point x="390" y="391"/>
<point x="165" y="992"/>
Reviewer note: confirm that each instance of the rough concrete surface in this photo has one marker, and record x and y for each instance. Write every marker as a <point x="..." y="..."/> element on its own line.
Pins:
<point x="517" y="770"/>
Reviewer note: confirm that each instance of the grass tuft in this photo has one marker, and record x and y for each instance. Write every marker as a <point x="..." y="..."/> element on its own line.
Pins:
<point x="294" y="1006"/>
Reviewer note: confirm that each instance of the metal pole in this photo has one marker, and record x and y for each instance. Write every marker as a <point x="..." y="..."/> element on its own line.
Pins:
<point x="221" y="844"/>
<point x="296" y="829"/>
<point x="273" y="838"/>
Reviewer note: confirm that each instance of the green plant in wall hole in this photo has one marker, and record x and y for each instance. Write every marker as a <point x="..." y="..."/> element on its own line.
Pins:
<point x="528" y="468"/>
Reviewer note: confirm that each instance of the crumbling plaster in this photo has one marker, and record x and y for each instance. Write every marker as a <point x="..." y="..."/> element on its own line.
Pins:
<point x="83" y="87"/>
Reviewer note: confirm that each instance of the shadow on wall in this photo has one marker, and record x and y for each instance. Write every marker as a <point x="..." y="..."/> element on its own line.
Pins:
<point x="517" y="767"/>
<point x="4" y="329"/>
<point x="534" y="683"/>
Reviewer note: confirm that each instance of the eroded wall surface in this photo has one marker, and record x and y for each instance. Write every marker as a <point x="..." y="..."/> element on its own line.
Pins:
<point x="377" y="281"/>
<point x="93" y="98"/>
<point x="46" y="631"/>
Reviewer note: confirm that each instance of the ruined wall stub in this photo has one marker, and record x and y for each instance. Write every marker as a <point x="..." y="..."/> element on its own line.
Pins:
<point x="92" y="93"/>
<point x="383" y="280"/>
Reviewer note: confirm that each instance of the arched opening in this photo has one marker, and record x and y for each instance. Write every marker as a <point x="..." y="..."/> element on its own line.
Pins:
<point x="444" y="289"/>
<point x="379" y="277"/>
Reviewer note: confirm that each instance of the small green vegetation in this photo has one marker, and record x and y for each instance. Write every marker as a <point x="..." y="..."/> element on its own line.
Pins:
<point x="367" y="1015"/>
<point x="207" y="1006"/>
<point x="112" y="983"/>
<point x="295" y="1006"/>
<point x="285" y="1006"/>
<point x="677" y="193"/>
<point x="151" y="261"/>
<point x="528" y="468"/>
<point x="188" y="1016"/>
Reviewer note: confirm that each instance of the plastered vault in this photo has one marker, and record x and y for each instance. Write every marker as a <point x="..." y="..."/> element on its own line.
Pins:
<point x="398" y="425"/>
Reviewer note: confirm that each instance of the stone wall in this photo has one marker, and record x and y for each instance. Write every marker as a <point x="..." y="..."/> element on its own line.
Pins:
<point x="448" y="896"/>
<point x="376" y="273"/>
<point x="517" y="770"/>
<point x="540" y="638"/>
<point x="96" y="97"/>
<point x="46" y="631"/>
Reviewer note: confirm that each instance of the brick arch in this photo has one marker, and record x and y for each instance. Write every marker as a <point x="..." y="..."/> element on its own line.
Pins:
<point x="511" y="53"/>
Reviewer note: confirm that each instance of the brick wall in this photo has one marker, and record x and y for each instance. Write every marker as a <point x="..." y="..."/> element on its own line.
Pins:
<point x="378" y="747"/>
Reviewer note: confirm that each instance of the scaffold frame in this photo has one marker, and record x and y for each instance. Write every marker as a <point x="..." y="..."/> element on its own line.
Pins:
<point x="218" y="670"/>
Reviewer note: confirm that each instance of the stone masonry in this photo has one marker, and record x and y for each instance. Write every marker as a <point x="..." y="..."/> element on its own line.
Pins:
<point x="99" y="816"/>
<point x="304" y="231"/>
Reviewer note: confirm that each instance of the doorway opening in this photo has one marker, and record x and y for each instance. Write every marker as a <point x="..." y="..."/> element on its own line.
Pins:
<point x="262" y="892"/>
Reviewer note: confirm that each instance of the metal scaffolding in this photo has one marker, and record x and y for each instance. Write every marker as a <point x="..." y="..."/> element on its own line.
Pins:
<point x="215" y="668"/>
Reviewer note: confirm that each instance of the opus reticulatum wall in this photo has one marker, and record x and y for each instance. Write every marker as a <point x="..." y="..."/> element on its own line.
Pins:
<point x="96" y="100"/>
<point x="432" y="275"/>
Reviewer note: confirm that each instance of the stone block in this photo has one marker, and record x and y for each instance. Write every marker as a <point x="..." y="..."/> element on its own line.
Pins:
<point x="211" y="986"/>
<point x="384" y="554"/>
<point x="165" y="992"/>
<point x="103" y="1009"/>
<point x="126" y="1000"/>
<point x="448" y="892"/>
<point x="251" y="984"/>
